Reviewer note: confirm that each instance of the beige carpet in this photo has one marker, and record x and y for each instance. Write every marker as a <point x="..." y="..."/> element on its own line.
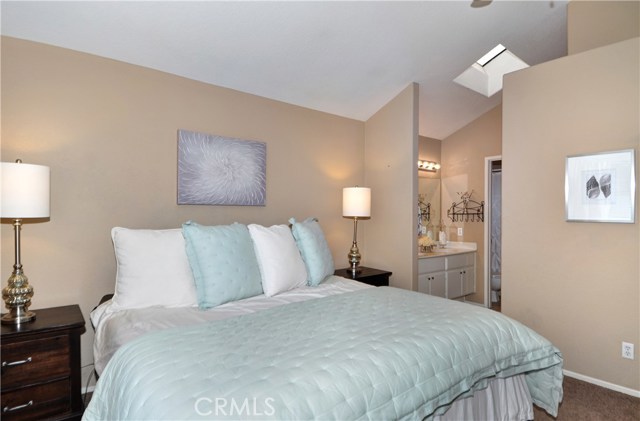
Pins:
<point x="587" y="402"/>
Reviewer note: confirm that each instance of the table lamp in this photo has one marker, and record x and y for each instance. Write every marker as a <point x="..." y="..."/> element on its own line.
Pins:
<point x="356" y="204"/>
<point x="24" y="195"/>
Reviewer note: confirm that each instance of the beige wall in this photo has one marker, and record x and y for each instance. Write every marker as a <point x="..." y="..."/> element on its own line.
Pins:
<point x="463" y="160"/>
<point x="592" y="24"/>
<point x="429" y="148"/>
<point x="108" y="132"/>
<point x="578" y="284"/>
<point x="391" y="154"/>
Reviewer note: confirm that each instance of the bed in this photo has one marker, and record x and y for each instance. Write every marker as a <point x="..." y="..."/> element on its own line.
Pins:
<point x="323" y="349"/>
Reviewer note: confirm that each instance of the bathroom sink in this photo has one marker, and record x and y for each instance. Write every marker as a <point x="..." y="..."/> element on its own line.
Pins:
<point x="446" y="250"/>
<point x="452" y="248"/>
<point x="443" y="252"/>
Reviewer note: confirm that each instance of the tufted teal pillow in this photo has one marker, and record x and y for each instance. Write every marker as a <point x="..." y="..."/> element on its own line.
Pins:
<point x="314" y="250"/>
<point x="223" y="262"/>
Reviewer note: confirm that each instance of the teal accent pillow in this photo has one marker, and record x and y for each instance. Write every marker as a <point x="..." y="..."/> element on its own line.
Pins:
<point x="223" y="263"/>
<point x="313" y="249"/>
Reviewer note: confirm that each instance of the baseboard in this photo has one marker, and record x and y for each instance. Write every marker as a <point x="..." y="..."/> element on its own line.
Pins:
<point x="602" y="383"/>
<point x="89" y="389"/>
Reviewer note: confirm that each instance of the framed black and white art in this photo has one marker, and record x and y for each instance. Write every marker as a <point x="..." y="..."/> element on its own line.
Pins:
<point x="600" y="187"/>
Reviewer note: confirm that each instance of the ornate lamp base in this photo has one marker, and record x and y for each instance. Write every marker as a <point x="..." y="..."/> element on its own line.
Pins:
<point x="354" y="254"/>
<point x="354" y="258"/>
<point x="17" y="316"/>
<point x="17" y="297"/>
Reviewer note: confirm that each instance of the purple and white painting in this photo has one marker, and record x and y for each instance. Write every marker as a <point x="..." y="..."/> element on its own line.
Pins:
<point x="218" y="170"/>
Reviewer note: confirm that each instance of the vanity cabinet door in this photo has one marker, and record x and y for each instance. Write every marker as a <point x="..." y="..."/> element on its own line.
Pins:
<point x="433" y="284"/>
<point x="469" y="280"/>
<point x="454" y="283"/>
<point x="448" y="276"/>
<point x="432" y="278"/>
<point x="461" y="275"/>
<point x="438" y="284"/>
<point x="423" y="283"/>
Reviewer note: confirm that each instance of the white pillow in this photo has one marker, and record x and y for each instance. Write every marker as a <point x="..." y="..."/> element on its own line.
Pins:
<point x="152" y="269"/>
<point x="281" y="266"/>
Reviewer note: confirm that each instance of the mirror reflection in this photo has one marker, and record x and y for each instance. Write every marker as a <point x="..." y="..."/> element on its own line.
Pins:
<point x="429" y="189"/>
<point x="429" y="201"/>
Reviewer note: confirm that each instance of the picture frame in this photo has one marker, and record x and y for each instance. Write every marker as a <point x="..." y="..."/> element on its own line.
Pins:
<point x="220" y="170"/>
<point x="601" y="187"/>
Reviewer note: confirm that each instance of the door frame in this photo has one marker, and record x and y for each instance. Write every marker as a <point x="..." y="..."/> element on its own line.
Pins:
<point x="487" y="227"/>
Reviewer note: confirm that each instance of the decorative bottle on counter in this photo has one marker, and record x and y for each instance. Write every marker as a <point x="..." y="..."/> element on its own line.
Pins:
<point x="430" y="230"/>
<point x="442" y="235"/>
<point x="442" y="238"/>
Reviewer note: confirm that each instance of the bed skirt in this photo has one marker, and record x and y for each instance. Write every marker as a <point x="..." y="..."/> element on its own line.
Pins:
<point x="503" y="399"/>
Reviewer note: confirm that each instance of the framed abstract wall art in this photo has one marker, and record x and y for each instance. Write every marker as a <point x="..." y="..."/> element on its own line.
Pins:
<point x="218" y="170"/>
<point x="600" y="187"/>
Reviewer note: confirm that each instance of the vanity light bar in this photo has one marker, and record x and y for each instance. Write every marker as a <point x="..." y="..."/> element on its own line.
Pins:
<point x="428" y="166"/>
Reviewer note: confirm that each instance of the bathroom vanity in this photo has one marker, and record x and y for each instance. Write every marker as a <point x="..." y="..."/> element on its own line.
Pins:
<point x="448" y="272"/>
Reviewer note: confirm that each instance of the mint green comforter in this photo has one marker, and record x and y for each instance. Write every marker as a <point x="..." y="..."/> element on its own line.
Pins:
<point x="379" y="353"/>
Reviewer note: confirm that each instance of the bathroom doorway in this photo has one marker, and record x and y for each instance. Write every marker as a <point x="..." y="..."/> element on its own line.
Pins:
<point x="493" y="233"/>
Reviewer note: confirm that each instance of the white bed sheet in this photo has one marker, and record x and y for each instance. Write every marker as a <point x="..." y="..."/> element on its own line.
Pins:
<point x="115" y="328"/>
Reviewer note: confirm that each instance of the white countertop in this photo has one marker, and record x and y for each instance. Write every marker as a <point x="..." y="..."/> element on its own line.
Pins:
<point x="453" y="247"/>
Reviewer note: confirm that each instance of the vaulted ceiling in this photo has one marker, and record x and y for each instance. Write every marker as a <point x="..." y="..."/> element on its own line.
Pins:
<point x="344" y="58"/>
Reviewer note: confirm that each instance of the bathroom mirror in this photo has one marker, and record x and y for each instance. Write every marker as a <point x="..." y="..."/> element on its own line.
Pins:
<point x="429" y="188"/>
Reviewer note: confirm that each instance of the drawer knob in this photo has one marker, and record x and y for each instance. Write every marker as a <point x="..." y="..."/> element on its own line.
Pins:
<point x="16" y="408"/>
<point x="14" y="363"/>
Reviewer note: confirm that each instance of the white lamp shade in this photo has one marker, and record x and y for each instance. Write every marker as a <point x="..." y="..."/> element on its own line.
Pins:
<point x="25" y="191"/>
<point x="356" y="202"/>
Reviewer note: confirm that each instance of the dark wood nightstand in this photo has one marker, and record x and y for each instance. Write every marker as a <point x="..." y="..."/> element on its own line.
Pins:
<point x="41" y="366"/>
<point x="375" y="277"/>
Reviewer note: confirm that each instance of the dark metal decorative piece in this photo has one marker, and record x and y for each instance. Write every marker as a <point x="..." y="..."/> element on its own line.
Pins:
<point x="424" y="209"/>
<point x="466" y="210"/>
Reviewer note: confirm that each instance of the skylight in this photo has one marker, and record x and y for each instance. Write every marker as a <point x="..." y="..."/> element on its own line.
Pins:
<point x="495" y="52"/>
<point x="485" y="75"/>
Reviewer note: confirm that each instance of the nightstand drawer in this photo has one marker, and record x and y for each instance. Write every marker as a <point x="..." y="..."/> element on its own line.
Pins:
<point x="36" y="402"/>
<point x="41" y="366"/>
<point x="28" y="362"/>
